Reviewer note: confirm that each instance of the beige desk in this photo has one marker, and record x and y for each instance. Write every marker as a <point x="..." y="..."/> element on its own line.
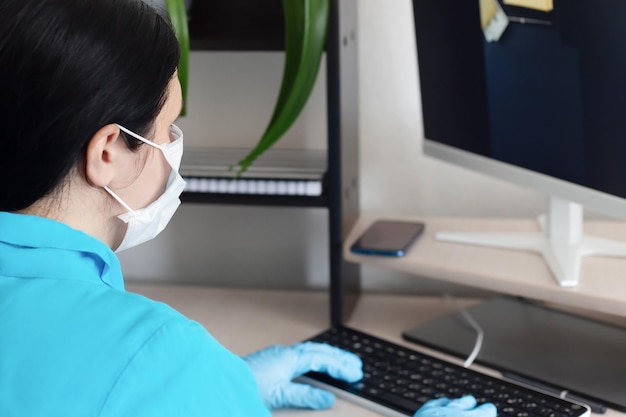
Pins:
<point x="247" y="320"/>
<point x="601" y="288"/>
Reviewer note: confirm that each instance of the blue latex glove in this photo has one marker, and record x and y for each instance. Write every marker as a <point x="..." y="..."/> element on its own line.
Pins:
<point x="460" y="407"/>
<point x="275" y="367"/>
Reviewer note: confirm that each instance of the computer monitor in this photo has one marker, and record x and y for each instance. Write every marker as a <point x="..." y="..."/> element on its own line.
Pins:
<point x="534" y="92"/>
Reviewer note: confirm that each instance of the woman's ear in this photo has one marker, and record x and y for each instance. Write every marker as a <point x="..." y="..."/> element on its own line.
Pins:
<point x="100" y="155"/>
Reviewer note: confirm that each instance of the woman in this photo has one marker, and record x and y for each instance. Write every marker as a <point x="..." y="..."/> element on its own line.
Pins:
<point x="89" y="159"/>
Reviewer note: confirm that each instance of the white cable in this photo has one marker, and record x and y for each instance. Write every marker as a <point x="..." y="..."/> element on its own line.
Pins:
<point x="479" y="338"/>
<point x="479" y="333"/>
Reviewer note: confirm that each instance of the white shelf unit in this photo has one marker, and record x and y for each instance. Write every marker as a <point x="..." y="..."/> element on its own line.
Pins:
<point x="602" y="286"/>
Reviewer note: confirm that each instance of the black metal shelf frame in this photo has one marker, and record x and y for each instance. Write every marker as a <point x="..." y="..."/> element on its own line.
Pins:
<point x="341" y="190"/>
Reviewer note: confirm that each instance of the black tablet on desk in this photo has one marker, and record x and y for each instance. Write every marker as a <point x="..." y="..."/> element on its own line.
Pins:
<point x="584" y="357"/>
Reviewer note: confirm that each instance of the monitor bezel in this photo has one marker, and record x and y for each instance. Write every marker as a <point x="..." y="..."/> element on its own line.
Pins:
<point x="591" y="199"/>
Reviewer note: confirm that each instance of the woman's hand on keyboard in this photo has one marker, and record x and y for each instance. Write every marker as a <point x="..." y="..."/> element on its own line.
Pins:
<point x="275" y="367"/>
<point x="460" y="407"/>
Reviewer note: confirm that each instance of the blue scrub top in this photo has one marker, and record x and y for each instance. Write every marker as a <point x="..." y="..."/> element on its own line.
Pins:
<point x="74" y="343"/>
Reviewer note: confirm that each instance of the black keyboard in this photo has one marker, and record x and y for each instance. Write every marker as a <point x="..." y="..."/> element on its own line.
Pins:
<point x="403" y="379"/>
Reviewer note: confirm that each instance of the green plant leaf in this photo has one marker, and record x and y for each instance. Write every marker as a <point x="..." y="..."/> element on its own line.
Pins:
<point x="306" y="23"/>
<point x="178" y="16"/>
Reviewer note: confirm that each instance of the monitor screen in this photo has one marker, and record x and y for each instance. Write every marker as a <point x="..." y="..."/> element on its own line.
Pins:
<point x="532" y="91"/>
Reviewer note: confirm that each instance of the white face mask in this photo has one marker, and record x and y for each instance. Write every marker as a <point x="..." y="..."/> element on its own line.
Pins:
<point x="146" y="223"/>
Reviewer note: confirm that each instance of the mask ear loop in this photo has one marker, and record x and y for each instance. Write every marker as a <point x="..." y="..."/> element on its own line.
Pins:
<point x="146" y="141"/>
<point x="106" y="187"/>
<point x="138" y="137"/>
<point x="119" y="200"/>
<point x="163" y="148"/>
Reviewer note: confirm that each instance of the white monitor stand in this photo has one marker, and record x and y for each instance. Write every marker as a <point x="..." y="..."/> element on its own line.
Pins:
<point x="561" y="241"/>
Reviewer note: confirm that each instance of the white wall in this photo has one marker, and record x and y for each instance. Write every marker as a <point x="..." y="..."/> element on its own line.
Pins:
<point x="231" y="99"/>
<point x="396" y="178"/>
<point x="229" y="103"/>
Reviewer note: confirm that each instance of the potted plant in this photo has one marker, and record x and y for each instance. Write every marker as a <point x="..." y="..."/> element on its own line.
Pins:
<point x="306" y="23"/>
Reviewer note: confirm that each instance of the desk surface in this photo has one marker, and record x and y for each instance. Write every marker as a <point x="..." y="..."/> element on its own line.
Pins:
<point x="246" y="320"/>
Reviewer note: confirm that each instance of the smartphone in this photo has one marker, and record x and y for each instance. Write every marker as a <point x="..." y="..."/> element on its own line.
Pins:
<point x="388" y="238"/>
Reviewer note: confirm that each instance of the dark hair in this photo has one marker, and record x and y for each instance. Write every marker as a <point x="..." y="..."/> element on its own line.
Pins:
<point x="67" y="68"/>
